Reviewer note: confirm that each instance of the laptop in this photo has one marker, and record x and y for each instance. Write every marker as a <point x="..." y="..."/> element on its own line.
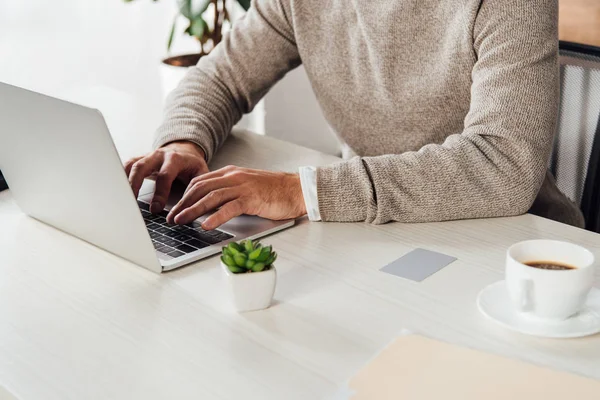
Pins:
<point x="63" y="169"/>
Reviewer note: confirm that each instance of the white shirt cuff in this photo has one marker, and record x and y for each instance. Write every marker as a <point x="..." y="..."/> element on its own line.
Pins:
<point x="308" y="180"/>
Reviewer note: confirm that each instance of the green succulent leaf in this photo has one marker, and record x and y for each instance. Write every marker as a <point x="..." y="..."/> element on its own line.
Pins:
<point x="245" y="4"/>
<point x="255" y="254"/>
<point x="227" y="252"/>
<point x="249" y="246"/>
<point x="233" y="250"/>
<point x="265" y="253"/>
<point x="237" y="270"/>
<point x="258" y="267"/>
<point x="234" y="245"/>
<point x="240" y="259"/>
<point x="271" y="259"/>
<point x="228" y="260"/>
<point x="250" y="264"/>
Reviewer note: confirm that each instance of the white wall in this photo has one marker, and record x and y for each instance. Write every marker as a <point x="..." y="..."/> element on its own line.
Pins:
<point x="106" y="54"/>
<point x="293" y="114"/>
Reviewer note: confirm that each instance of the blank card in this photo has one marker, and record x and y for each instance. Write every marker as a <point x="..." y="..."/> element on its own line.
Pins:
<point x="418" y="264"/>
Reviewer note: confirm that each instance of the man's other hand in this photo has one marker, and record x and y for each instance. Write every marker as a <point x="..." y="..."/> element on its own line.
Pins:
<point x="235" y="191"/>
<point x="177" y="160"/>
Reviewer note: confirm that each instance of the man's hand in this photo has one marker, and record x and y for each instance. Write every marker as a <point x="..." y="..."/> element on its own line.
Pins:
<point x="235" y="191"/>
<point x="178" y="160"/>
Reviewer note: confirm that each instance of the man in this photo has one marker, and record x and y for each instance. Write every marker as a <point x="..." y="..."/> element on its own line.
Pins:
<point x="449" y="105"/>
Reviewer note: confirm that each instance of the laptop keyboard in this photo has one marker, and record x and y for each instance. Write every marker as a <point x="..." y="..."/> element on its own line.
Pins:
<point x="178" y="240"/>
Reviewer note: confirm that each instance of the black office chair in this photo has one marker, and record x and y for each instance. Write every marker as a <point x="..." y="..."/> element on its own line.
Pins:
<point x="3" y="184"/>
<point x="576" y="157"/>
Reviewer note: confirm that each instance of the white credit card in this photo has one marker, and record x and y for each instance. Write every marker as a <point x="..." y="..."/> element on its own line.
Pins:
<point x="418" y="264"/>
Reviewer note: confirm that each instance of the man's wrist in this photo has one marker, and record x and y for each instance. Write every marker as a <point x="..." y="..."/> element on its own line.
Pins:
<point x="298" y="196"/>
<point x="187" y="146"/>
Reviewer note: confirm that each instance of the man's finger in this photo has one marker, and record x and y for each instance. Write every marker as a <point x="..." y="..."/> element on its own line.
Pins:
<point x="129" y="163"/>
<point x="196" y="192"/>
<point x="214" y="174"/>
<point x="229" y="211"/>
<point x="210" y="202"/>
<point x="142" y="169"/>
<point x="164" y="180"/>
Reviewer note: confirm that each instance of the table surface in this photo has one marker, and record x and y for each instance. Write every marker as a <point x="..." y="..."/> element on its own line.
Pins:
<point x="79" y="323"/>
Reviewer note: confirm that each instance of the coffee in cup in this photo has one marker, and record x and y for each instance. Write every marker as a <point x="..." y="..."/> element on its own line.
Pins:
<point x="549" y="279"/>
<point x="549" y="265"/>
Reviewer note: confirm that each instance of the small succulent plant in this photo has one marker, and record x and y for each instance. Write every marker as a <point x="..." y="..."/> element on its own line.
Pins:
<point x="248" y="256"/>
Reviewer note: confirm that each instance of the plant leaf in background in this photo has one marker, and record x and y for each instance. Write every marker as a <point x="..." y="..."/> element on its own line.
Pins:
<point x="245" y="4"/>
<point x="192" y="9"/>
<point x="172" y="34"/>
<point x="198" y="27"/>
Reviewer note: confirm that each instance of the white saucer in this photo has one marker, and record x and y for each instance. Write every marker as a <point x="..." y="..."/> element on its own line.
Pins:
<point x="494" y="303"/>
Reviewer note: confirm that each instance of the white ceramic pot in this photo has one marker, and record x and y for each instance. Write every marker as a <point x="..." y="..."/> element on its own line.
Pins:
<point x="251" y="291"/>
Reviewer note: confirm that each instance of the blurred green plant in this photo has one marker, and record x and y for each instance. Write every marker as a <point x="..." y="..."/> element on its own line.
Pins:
<point x="248" y="256"/>
<point x="194" y="11"/>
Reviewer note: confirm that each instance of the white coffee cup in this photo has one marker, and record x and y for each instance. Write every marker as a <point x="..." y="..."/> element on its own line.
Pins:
<point x="546" y="293"/>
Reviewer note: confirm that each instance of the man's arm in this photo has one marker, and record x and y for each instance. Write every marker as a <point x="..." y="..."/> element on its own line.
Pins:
<point x="496" y="166"/>
<point x="259" y="50"/>
<point x="226" y="84"/>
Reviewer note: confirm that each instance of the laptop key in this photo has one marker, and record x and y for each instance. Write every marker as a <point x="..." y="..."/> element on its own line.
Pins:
<point x="163" y="239"/>
<point x="176" y="253"/>
<point x="223" y="236"/>
<point x="204" y="237"/>
<point x="147" y="222"/>
<point x="143" y="206"/>
<point x="172" y="243"/>
<point x="181" y="237"/>
<point x="153" y="226"/>
<point x="197" y="244"/>
<point x="159" y="220"/>
<point x="163" y="230"/>
<point x="154" y="235"/>
<point x="157" y="245"/>
<point x="164" y="249"/>
<point x="145" y="213"/>
<point x="186" y="248"/>
<point x="172" y="233"/>
<point x="187" y="230"/>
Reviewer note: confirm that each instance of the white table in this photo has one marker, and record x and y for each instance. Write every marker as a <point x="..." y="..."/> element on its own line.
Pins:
<point x="78" y="323"/>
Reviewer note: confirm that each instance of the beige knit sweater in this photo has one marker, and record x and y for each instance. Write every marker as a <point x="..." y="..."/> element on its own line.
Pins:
<point x="450" y="104"/>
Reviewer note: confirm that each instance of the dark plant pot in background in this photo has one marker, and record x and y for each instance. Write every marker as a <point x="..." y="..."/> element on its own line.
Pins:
<point x="186" y="60"/>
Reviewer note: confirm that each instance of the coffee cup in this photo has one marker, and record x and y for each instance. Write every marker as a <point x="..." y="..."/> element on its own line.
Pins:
<point x="548" y="279"/>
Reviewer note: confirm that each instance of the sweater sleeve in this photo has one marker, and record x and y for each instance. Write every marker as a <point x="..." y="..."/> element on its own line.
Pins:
<point x="258" y="51"/>
<point x="496" y="166"/>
